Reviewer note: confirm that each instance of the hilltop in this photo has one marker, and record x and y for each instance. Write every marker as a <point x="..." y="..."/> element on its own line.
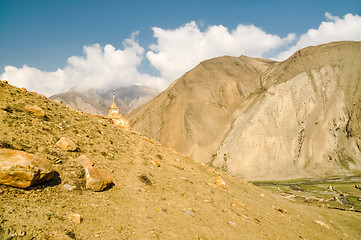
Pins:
<point x="157" y="193"/>
<point x="264" y="120"/>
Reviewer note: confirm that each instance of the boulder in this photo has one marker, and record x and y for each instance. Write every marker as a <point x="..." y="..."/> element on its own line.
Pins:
<point x="22" y="169"/>
<point x="35" y="110"/>
<point x="97" y="179"/>
<point x="66" y="144"/>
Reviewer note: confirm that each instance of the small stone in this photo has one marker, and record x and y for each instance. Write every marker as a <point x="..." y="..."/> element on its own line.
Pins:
<point x="281" y="209"/>
<point x="262" y="195"/>
<point x="189" y="212"/>
<point x="69" y="187"/>
<point x="1" y="191"/>
<point x="75" y="218"/>
<point x="22" y="169"/>
<point x="4" y="81"/>
<point x="66" y="144"/>
<point x="220" y="182"/>
<point x="35" y="110"/>
<point x="155" y="162"/>
<point x="23" y="89"/>
<point x="239" y="206"/>
<point x="233" y="224"/>
<point x="322" y="224"/>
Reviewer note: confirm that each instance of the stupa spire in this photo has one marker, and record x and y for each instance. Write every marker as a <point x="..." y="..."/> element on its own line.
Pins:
<point x="114" y="108"/>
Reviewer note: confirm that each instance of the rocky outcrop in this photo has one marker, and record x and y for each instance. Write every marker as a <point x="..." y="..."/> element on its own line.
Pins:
<point x="22" y="169"/>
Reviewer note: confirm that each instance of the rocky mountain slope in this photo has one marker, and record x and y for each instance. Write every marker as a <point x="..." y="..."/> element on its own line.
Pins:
<point x="157" y="192"/>
<point x="265" y="120"/>
<point x="98" y="101"/>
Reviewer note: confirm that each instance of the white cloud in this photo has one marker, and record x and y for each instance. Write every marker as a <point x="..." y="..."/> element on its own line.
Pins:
<point x="334" y="29"/>
<point x="34" y="79"/>
<point x="179" y="50"/>
<point x="175" y="52"/>
<point x="100" y="68"/>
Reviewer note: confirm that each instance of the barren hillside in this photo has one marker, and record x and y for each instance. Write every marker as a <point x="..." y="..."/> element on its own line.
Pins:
<point x="157" y="193"/>
<point x="264" y="120"/>
<point x="196" y="112"/>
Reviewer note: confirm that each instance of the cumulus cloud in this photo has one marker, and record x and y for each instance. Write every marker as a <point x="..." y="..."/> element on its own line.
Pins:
<point x="334" y="29"/>
<point x="99" y="68"/>
<point x="175" y="51"/>
<point x="179" y="50"/>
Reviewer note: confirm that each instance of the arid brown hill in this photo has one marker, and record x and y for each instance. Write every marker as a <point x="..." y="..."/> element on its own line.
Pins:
<point x="265" y="120"/>
<point x="157" y="192"/>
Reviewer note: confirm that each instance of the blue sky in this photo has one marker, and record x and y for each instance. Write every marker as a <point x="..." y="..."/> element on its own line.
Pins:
<point x="45" y="34"/>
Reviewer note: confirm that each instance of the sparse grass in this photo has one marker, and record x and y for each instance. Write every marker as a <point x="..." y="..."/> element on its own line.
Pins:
<point x="316" y="193"/>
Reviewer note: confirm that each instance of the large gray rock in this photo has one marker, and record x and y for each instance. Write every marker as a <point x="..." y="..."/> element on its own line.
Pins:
<point x="22" y="169"/>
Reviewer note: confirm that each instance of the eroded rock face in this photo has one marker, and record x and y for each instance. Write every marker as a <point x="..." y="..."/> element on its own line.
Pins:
<point x="299" y="128"/>
<point x="263" y="120"/>
<point x="22" y="169"/>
